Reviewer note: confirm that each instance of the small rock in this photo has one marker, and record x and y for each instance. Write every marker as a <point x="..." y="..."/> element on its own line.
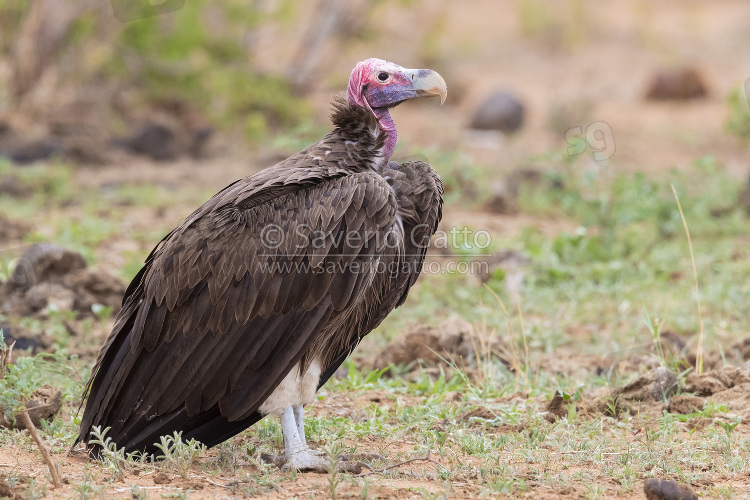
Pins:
<point x="28" y="152"/>
<point x="155" y="140"/>
<point x="501" y="111"/>
<point x="24" y="339"/>
<point x="47" y="276"/>
<point x="161" y="478"/>
<point x="663" y="489"/>
<point x="685" y="404"/>
<point x="679" y="84"/>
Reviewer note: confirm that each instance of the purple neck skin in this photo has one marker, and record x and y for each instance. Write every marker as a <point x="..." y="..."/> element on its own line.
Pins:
<point x="385" y="122"/>
<point x="386" y="125"/>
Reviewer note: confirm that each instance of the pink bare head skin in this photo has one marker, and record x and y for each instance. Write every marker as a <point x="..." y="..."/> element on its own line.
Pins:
<point x="379" y="85"/>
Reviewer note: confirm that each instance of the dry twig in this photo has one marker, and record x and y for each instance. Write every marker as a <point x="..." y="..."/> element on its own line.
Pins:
<point x="426" y="458"/>
<point x="51" y="464"/>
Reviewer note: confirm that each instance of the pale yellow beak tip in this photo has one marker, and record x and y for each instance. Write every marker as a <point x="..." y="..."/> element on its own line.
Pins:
<point x="433" y="84"/>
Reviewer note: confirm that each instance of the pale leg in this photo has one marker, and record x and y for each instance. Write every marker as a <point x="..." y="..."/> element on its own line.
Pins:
<point x="300" y="423"/>
<point x="296" y="453"/>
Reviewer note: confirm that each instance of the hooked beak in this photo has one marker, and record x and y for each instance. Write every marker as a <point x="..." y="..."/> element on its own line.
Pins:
<point x="413" y="83"/>
<point x="428" y="83"/>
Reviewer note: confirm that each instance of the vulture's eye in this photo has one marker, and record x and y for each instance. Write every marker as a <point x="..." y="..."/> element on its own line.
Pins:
<point x="382" y="76"/>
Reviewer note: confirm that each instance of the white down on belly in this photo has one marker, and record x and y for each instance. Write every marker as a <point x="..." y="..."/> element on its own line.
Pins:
<point x="293" y="390"/>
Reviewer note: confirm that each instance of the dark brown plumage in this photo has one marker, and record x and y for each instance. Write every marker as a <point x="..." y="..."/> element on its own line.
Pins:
<point x="223" y="309"/>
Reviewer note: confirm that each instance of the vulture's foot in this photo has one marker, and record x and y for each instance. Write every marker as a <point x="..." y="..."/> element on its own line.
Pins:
<point x="298" y="456"/>
<point x="306" y="460"/>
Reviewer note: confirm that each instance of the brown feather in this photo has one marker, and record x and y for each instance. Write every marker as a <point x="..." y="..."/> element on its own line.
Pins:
<point x="209" y="327"/>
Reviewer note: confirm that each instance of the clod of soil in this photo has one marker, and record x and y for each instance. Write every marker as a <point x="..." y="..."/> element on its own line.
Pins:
<point x="191" y="485"/>
<point x="161" y="478"/>
<point x="737" y="398"/>
<point x="50" y="276"/>
<point x="716" y="381"/>
<point x="712" y="360"/>
<point x="685" y="404"/>
<point x="44" y="263"/>
<point x="556" y="408"/>
<point x="453" y="339"/>
<point x="95" y="287"/>
<point x="663" y="489"/>
<point x="154" y="140"/>
<point x="480" y="412"/>
<point x="501" y="111"/>
<point x="42" y="404"/>
<point x="679" y="85"/>
<point x="655" y="385"/>
<point x="167" y="140"/>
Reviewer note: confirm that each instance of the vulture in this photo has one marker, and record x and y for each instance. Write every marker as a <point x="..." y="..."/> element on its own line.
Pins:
<point x="251" y="304"/>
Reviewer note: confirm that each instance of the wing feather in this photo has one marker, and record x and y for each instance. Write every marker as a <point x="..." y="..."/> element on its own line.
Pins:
<point x="217" y="318"/>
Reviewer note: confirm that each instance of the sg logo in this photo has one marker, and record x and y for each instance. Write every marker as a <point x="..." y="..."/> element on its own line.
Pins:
<point x="126" y="11"/>
<point x="598" y="136"/>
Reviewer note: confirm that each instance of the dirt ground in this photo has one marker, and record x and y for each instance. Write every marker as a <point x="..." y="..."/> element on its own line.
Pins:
<point x="602" y="57"/>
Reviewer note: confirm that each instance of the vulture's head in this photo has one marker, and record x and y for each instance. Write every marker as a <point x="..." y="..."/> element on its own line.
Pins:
<point x="379" y="85"/>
